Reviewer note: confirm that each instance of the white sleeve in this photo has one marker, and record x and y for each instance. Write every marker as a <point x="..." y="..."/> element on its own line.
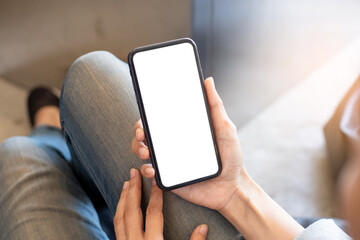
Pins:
<point x="323" y="229"/>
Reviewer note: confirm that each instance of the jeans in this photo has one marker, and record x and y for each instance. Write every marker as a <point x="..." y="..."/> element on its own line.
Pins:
<point x="66" y="184"/>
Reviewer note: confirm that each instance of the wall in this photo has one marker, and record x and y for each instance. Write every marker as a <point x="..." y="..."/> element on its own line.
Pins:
<point x="257" y="50"/>
<point x="40" y="39"/>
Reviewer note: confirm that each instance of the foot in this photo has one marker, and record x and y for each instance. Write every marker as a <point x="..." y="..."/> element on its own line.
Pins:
<point x="47" y="115"/>
<point x="43" y="108"/>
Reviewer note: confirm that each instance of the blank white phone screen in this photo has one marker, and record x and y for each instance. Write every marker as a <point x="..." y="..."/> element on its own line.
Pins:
<point x="175" y="109"/>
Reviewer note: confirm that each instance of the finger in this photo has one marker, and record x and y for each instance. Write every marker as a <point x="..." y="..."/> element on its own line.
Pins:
<point x="137" y="125"/>
<point x="148" y="171"/>
<point x="140" y="135"/>
<point x="119" y="221"/>
<point x="140" y="149"/>
<point x="199" y="233"/>
<point x="215" y="102"/>
<point x="133" y="214"/>
<point x="154" y="216"/>
<point x="218" y="113"/>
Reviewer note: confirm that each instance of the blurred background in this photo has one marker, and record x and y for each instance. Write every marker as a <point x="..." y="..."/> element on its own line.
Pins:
<point x="281" y="67"/>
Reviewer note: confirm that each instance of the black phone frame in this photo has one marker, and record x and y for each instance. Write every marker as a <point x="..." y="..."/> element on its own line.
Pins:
<point x="143" y="115"/>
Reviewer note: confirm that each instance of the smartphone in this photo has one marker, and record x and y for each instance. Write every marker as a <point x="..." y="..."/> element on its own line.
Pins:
<point x="173" y="106"/>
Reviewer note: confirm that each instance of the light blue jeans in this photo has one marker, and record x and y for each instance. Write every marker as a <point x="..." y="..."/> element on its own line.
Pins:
<point x="66" y="184"/>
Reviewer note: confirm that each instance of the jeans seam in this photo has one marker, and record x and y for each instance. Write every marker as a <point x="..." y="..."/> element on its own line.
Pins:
<point x="61" y="106"/>
<point x="86" y="166"/>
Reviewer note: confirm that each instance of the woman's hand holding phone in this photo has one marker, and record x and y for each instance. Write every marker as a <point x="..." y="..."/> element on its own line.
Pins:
<point x="214" y="193"/>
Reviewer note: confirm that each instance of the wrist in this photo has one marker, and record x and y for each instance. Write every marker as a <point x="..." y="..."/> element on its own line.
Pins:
<point x="256" y="215"/>
<point x="239" y="202"/>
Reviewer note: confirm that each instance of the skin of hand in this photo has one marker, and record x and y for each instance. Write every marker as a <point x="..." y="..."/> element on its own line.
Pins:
<point x="233" y="193"/>
<point x="128" y="220"/>
<point x="216" y="192"/>
<point x="348" y="189"/>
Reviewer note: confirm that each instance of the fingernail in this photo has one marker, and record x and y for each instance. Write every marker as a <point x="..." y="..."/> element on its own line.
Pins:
<point x="148" y="171"/>
<point x="203" y="229"/>
<point x="132" y="173"/>
<point x="141" y="150"/>
<point x="126" y="185"/>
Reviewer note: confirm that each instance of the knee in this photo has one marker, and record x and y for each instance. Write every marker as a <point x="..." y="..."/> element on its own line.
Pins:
<point x="24" y="155"/>
<point x="13" y="152"/>
<point x="92" y="73"/>
<point x="92" y="69"/>
<point x="17" y="146"/>
<point x="92" y="62"/>
<point x="93" y="79"/>
<point x="13" y="146"/>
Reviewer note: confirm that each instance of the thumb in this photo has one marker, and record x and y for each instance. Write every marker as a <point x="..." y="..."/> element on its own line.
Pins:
<point x="223" y="126"/>
<point x="200" y="232"/>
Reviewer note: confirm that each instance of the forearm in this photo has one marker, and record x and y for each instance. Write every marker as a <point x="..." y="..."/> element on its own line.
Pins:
<point x="257" y="216"/>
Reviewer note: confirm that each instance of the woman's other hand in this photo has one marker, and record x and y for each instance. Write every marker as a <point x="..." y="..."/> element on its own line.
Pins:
<point x="128" y="220"/>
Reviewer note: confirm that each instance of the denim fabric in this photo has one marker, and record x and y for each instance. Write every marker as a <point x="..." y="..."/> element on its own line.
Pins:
<point x="40" y="198"/>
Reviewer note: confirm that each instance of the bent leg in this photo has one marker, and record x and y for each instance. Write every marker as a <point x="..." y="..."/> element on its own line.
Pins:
<point x="39" y="196"/>
<point x="98" y="111"/>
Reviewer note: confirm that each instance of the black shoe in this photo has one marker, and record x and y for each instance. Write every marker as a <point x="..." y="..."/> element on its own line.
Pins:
<point x="40" y="97"/>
